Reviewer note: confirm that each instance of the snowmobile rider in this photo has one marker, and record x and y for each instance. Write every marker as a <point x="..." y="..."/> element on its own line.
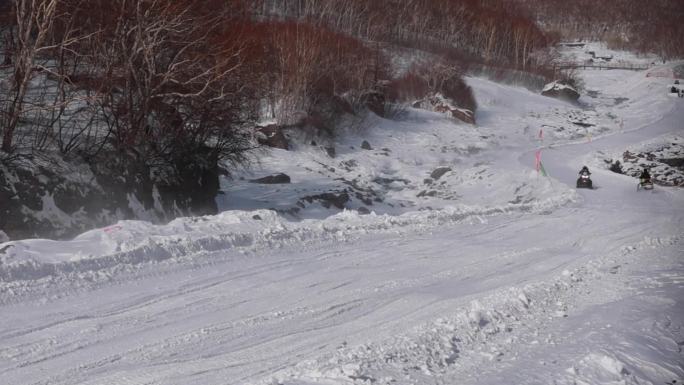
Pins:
<point x="645" y="177"/>
<point x="584" y="171"/>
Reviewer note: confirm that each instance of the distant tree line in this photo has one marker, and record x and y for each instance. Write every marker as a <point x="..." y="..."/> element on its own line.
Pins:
<point x="654" y="26"/>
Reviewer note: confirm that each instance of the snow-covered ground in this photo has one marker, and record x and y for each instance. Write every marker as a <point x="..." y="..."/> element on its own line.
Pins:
<point x="489" y="273"/>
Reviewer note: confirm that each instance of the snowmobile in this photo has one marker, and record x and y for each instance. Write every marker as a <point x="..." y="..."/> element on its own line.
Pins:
<point x="645" y="184"/>
<point x="584" y="181"/>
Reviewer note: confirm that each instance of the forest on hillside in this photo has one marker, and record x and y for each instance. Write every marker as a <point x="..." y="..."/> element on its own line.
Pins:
<point x="168" y="79"/>
<point x="165" y="79"/>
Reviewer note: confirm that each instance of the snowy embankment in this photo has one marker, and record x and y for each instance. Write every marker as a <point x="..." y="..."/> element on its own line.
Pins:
<point x="426" y="171"/>
<point x="129" y="243"/>
<point x="501" y="275"/>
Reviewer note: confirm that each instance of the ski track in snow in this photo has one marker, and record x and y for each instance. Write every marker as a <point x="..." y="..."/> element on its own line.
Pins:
<point x="561" y="287"/>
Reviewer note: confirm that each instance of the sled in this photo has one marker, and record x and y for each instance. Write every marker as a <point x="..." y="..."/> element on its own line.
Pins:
<point x="645" y="186"/>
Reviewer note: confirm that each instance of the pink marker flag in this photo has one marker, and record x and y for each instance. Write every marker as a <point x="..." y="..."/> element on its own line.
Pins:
<point x="537" y="160"/>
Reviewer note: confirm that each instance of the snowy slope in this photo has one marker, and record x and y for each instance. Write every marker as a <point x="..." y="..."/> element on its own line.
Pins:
<point x="502" y="275"/>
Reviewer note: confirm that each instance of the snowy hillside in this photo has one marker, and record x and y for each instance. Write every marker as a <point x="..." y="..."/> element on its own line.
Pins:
<point x="436" y="253"/>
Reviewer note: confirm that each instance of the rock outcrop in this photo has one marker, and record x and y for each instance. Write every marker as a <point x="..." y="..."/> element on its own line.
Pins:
<point x="438" y="103"/>
<point x="279" y="178"/>
<point x="272" y="136"/>
<point x="61" y="198"/>
<point x="560" y="90"/>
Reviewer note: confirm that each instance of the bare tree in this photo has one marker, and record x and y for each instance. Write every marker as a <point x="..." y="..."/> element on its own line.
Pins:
<point x="33" y="20"/>
<point x="39" y="39"/>
<point x="170" y="80"/>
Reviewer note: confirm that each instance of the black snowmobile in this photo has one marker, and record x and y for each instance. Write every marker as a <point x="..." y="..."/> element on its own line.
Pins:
<point x="584" y="181"/>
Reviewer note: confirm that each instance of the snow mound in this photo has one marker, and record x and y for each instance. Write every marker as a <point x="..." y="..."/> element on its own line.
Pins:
<point x="599" y="368"/>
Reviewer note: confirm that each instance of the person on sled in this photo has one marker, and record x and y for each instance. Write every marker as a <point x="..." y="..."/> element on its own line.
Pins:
<point x="645" y="177"/>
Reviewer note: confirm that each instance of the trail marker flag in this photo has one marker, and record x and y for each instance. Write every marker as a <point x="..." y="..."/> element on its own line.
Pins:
<point x="538" y="163"/>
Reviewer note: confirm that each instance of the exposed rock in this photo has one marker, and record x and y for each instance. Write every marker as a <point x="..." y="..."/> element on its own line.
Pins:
<point x="582" y="124"/>
<point x="330" y="151"/>
<point x="279" y="178"/>
<point x="428" y="181"/>
<point x="349" y="165"/>
<point x="463" y="115"/>
<point x="438" y="103"/>
<point x="426" y="193"/>
<point x="365" y="145"/>
<point x="363" y="210"/>
<point x="674" y="162"/>
<point x="388" y="181"/>
<point x="73" y="196"/>
<point x="272" y="136"/>
<point x="365" y="194"/>
<point x="439" y="172"/>
<point x="560" y="90"/>
<point x="338" y="200"/>
<point x="256" y="217"/>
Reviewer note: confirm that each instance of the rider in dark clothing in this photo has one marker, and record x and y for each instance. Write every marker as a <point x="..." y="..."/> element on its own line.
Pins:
<point x="584" y="171"/>
<point x="645" y="176"/>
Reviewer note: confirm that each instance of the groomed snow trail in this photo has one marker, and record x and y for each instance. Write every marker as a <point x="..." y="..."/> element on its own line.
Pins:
<point x="580" y="287"/>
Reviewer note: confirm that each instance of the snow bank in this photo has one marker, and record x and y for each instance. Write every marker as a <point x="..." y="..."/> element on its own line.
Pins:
<point x="136" y="242"/>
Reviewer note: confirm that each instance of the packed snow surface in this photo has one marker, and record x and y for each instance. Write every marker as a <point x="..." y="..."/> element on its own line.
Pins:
<point x="473" y="267"/>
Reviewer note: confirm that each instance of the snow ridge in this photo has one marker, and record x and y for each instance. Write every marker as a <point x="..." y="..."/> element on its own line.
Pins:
<point x="131" y="243"/>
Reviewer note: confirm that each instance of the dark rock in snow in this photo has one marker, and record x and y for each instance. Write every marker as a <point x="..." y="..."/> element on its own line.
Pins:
<point x="439" y="172"/>
<point x="338" y="200"/>
<point x="273" y="179"/>
<point x="72" y="196"/>
<point x="560" y="90"/>
<point x="674" y="162"/>
<point x="330" y="151"/>
<point x="363" y="210"/>
<point x="425" y="193"/>
<point x="256" y="217"/>
<point x="439" y="103"/>
<point x="365" y="145"/>
<point x="463" y="115"/>
<point x="272" y="136"/>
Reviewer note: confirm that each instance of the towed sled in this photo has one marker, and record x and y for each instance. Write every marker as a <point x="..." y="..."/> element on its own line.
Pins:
<point x="645" y="184"/>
